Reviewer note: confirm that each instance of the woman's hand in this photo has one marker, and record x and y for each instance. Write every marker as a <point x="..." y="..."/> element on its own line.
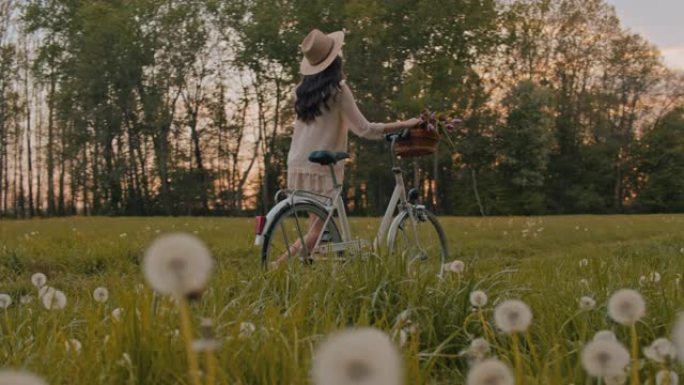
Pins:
<point x="412" y="122"/>
<point x="400" y="125"/>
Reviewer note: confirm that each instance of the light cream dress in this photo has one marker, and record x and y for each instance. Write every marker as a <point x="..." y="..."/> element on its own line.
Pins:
<point x="327" y="132"/>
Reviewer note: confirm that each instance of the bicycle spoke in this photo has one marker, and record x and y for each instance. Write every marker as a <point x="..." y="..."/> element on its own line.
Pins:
<point x="293" y="227"/>
<point x="303" y="252"/>
<point x="421" y="241"/>
<point x="287" y="242"/>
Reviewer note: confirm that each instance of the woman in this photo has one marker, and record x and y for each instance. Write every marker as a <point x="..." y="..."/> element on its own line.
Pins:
<point x="326" y="110"/>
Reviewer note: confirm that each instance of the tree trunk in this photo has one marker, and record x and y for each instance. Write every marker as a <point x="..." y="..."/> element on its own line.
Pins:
<point x="29" y="157"/>
<point x="61" y="204"/>
<point x="197" y="151"/>
<point x="97" y="200"/>
<point x="50" y="146"/>
<point x="18" y="172"/>
<point x="473" y="177"/>
<point x="39" y="145"/>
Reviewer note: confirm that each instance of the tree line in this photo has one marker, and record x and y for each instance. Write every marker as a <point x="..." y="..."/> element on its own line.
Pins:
<point x="162" y="107"/>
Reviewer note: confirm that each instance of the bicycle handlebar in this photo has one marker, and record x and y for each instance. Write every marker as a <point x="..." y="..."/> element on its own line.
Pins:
<point x="397" y="135"/>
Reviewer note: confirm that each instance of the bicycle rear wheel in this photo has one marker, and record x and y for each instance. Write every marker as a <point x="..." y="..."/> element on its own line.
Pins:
<point x="292" y="227"/>
<point x="420" y="239"/>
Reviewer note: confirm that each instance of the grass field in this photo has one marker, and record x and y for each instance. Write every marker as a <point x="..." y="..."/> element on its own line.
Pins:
<point x="536" y="259"/>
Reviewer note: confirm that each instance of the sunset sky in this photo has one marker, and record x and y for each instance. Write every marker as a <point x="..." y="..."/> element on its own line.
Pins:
<point x="660" y="21"/>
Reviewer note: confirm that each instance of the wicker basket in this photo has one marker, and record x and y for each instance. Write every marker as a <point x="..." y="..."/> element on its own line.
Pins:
<point x="419" y="142"/>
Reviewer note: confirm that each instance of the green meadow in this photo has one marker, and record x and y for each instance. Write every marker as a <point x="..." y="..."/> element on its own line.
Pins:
<point x="548" y="262"/>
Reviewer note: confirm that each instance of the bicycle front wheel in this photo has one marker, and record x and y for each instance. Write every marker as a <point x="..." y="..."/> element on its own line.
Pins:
<point x="294" y="233"/>
<point x="420" y="239"/>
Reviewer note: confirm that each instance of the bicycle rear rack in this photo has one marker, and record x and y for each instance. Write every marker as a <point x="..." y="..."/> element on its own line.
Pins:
<point x="293" y="194"/>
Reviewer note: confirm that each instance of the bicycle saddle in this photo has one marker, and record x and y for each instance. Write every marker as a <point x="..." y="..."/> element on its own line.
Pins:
<point x="325" y="158"/>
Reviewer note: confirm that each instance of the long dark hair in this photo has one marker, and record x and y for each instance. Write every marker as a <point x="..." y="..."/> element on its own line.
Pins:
<point x="316" y="90"/>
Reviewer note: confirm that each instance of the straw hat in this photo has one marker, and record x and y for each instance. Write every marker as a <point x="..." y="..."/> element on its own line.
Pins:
<point x="319" y="51"/>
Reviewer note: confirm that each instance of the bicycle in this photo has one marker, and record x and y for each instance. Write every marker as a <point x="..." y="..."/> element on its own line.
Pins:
<point x="413" y="230"/>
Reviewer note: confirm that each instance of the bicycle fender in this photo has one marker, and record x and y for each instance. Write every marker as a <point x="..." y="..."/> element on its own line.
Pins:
<point x="392" y="232"/>
<point x="273" y="213"/>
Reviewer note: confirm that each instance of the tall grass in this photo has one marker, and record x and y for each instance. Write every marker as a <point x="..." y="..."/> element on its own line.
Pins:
<point x="534" y="259"/>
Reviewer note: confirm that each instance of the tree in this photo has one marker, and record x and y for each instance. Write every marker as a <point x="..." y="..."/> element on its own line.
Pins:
<point x="662" y="165"/>
<point x="525" y="142"/>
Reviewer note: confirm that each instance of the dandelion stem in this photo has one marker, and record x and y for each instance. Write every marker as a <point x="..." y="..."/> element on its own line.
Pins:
<point x="667" y="380"/>
<point x="489" y="334"/>
<point x="518" y="360"/>
<point x="533" y="351"/>
<point x="210" y="358"/>
<point x="186" y="329"/>
<point x="635" y="356"/>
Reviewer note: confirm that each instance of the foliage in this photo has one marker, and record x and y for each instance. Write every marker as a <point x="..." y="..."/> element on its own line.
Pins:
<point x="525" y="142"/>
<point x="663" y="165"/>
<point x="159" y="107"/>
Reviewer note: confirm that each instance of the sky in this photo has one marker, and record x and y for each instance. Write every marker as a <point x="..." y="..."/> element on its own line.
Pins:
<point x="659" y="21"/>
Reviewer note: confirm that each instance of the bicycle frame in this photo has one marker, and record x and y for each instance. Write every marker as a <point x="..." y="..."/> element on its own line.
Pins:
<point x="335" y="204"/>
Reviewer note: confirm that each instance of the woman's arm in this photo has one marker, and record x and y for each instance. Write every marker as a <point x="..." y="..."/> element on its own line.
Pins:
<point x="400" y="125"/>
<point x="355" y="121"/>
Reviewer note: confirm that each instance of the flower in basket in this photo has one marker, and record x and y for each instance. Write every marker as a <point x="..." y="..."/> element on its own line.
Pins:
<point x="440" y="123"/>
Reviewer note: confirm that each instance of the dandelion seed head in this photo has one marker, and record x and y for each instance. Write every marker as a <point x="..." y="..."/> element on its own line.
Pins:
<point x="584" y="262"/>
<point x="364" y="356"/>
<point x="490" y="372"/>
<point x="246" y="329"/>
<point x="478" y="298"/>
<point x="478" y="349"/>
<point x="605" y="335"/>
<point x="512" y="316"/>
<point x="25" y="299"/>
<point x="73" y="345"/>
<point x="5" y="301"/>
<point x="626" y="307"/>
<point x="661" y="350"/>
<point x="44" y="290"/>
<point x="101" y="294"/>
<point x="602" y="358"/>
<point x="654" y="277"/>
<point x="455" y="266"/>
<point x="54" y="299"/>
<point x="38" y="280"/>
<point x="116" y="314"/>
<point x="663" y="375"/>
<point x="205" y="345"/>
<point x="178" y="264"/>
<point x="15" y="377"/>
<point x="587" y="303"/>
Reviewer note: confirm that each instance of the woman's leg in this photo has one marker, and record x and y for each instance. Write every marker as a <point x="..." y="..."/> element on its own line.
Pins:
<point x="315" y="228"/>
